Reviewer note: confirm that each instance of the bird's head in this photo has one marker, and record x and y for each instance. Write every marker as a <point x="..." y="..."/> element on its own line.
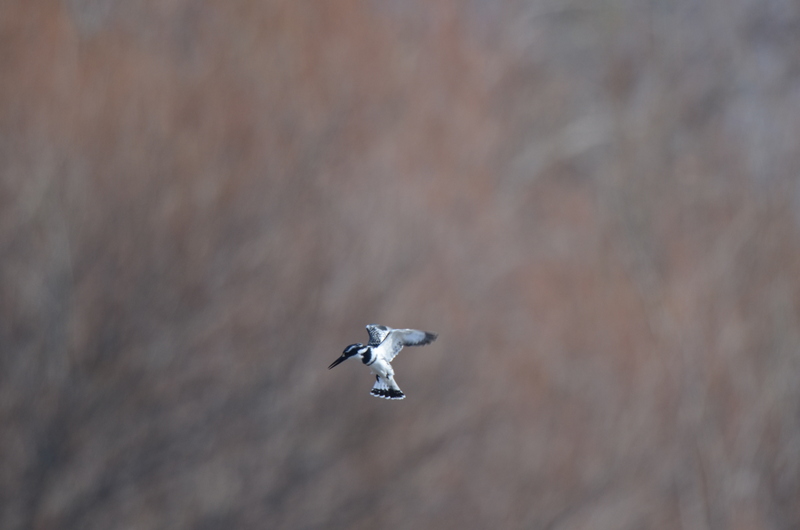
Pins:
<point x="354" y="350"/>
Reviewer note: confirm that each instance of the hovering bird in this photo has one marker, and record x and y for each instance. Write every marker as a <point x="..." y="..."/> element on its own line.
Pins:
<point x="384" y="345"/>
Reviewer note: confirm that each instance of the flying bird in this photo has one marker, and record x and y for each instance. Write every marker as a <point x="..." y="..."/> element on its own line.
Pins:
<point x="384" y="345"/>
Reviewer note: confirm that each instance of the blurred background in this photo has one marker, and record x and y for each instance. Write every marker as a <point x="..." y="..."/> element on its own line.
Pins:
<point x="595" y="204"/>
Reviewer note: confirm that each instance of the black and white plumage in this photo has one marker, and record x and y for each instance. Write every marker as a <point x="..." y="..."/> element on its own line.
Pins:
<point x="383" y="346"/>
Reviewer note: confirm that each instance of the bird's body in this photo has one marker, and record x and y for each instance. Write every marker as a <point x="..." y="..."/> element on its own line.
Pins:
<point x="384" y="345"/>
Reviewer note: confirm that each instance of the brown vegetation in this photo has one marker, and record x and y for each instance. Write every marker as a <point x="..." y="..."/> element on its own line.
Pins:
<point x="595" y="205"/>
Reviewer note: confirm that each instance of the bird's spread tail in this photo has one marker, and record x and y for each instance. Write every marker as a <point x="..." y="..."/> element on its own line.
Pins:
<point x="386" y="390"/>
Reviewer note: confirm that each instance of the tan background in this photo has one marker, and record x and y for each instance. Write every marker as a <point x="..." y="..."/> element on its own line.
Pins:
<point x="595" y="204"/>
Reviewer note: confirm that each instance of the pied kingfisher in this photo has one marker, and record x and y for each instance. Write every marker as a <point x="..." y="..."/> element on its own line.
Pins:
<point x="384" y="344"/>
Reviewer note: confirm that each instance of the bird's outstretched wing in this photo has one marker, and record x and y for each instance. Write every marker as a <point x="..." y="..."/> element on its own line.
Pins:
<point x="377" y="333"/>
<point x="407" y="337"/>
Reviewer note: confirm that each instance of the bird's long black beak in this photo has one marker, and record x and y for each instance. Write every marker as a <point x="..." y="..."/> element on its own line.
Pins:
<point x="337" y="361"/>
